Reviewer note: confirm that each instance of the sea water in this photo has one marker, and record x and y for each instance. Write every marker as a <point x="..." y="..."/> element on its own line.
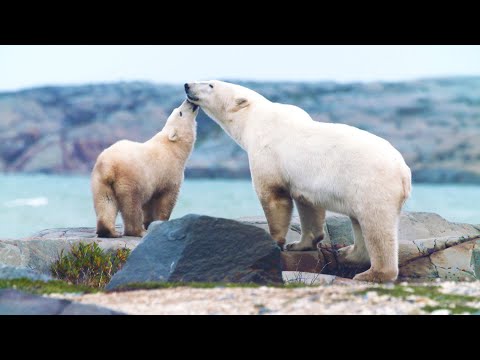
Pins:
<point x="30" y="203"/>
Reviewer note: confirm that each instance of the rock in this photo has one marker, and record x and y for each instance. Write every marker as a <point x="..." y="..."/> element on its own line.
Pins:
<point x="430" y="247"/>
<point x="199" y="248"/>
<point x="304" y="261"/>
<point x="339" y="228"/>
<point x="308" y="278"/>
<point x="13" y="302"/>
<point x="475" y="261"/>
<point x="424" y="243"/>
<point x="420" y="269"/>
<point x="455" y="263"/>
<point x="40" y="250"/>
<point x="12" y="272"/>
<point x="441" y="312"/>
<point x="423" y="225"/>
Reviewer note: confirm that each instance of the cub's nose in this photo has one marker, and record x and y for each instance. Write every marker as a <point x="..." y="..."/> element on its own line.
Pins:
<point x="186" y="86"/>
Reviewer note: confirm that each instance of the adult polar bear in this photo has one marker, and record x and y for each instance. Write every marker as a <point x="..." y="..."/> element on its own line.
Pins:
<point x="320" y="166"/>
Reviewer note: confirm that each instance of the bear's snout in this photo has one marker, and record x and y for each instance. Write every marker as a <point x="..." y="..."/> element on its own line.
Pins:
<point x="187" y="87"/>
<point x="194" y="106"/>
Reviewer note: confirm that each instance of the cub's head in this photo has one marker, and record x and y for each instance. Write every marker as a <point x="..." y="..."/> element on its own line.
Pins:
<point x="219" y="99"/>
<point x="181" y="124"/>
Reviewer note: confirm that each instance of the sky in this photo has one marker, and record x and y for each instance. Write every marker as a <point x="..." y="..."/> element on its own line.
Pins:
<point x="25" y="66"/>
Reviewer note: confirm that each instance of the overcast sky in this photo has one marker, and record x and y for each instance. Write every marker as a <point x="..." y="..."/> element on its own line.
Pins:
<point x="26" y="66"/>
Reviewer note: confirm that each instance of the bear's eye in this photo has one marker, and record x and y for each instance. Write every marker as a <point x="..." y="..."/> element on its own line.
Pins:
<point x="180" y="113"/>
<point x="210" y="85"/>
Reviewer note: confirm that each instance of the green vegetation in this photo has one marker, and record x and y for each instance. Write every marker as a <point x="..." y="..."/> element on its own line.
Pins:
<point x="40" y="287"/>
<point x="456" y="304"/>
<point x="202" y="285"/>
<point x="87" y="264"/>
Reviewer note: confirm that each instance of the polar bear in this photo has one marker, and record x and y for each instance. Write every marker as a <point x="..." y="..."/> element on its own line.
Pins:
<point x="130" y="177"/>
<point x="318" y="166"/>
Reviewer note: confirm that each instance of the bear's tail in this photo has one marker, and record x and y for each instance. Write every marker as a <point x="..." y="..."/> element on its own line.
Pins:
<point x="105" y="203"/>
<point x="407" y="185"/>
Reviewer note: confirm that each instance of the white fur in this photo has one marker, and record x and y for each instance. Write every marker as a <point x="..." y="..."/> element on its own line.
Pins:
<point x="320" y="166"/>
<point x="142" y="180"/>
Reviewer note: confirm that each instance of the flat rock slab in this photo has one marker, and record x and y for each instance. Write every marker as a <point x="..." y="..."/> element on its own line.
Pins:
<point x="40" y="250"/>
<point x="12" y="272"/>
<point x="198" y="248"/>
<point x="13" y="302"/>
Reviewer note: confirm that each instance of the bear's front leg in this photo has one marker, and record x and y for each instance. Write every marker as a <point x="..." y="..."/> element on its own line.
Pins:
<point x="277" y="206"/>
<point x="312" y="220"/>
<point x="163" y="205"/>
<point x="148" y="215"/>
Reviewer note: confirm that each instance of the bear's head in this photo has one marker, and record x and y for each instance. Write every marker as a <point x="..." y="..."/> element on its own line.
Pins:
<point x="220" y="100"/>
<point x="181" y="124"/>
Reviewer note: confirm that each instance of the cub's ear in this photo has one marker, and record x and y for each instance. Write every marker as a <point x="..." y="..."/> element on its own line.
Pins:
<point x="240" y="103"/>
<point x="172" y="135"/>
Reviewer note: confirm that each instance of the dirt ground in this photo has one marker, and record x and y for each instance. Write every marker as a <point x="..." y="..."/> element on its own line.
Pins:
<point x="359" y="299"/>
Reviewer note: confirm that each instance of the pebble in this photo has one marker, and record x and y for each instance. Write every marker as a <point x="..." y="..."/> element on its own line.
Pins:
<point x="440" y="312"/>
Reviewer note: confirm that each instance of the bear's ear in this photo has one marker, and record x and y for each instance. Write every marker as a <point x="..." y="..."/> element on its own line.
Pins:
<point x="240" y="103"/>
<point x="172" y="135"/>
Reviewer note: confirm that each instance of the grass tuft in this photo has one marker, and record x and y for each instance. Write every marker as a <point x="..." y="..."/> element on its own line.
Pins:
<point x="89" y="265"/>
<point x="456" y="304"/>
<point x="39" y="287"/>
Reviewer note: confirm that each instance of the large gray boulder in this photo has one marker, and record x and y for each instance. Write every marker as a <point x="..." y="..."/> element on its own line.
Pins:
<point x="13" y="302"/>
<point x="198" y="248"/>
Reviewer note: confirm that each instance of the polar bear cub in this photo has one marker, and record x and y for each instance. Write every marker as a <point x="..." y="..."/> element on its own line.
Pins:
<point x="142" y="180"/>
<point x="318" y="166"/>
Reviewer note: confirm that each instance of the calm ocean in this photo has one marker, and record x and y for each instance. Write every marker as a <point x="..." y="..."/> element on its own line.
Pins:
<point x="29" y="203"/>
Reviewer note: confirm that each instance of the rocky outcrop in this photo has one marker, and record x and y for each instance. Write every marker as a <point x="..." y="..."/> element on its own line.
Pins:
<point x="198" y="248"/>
<point x="63" y="129"/>
<point x="430" y="247"/>
<point x="13" y="302"/>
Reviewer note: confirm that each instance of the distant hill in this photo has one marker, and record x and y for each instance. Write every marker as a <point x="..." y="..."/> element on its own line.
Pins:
<point x="435" y="123"/>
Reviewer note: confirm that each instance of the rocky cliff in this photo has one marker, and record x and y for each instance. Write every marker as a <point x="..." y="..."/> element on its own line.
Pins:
<point x="435" y="123"/>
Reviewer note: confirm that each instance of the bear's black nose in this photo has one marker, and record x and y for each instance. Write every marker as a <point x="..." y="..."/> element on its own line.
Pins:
<point x="186" y="87"/>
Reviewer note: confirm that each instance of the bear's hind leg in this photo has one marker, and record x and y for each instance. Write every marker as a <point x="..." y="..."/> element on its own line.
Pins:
<point x="132" y="214"/>
<point x="312" y="220"/>
<point x="106" y="209"/>
<point x="356" y="254"/>
<point x="382" y="245"/>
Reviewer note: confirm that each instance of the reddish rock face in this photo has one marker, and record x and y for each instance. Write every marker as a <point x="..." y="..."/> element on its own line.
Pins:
<point x="63" y="129"/>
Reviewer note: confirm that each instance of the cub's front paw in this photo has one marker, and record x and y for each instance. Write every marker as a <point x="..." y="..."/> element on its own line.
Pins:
<point x="108" y="234"/>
